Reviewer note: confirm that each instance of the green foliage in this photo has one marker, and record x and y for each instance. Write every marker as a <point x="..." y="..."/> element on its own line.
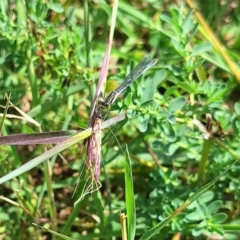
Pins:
<point x="205" y="215"/>
<point x="173" y="184"/>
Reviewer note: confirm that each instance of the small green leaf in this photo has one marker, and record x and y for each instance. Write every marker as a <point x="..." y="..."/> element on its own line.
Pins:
<point x="192" y="33"/>
<point x="169" y="92"/>
<point x="207" y="87"/>
<point x="206" y="197"/>
<point x="192" y="217"/>
<point x="199" y="49"/>
<point x="146" y="103"/>
<point x="219" y="218"/>
<point x="128" y="99"/>
<point x="131" y="113"/>
<point x="169" y="116"/>
<point x="186" y="87"/>
<point x="156" y="144"/>
<point x="159" y="77"/>
<point x="214" y="206"/>
<point x="172" y="149"/>
<point x="177" y="45"/>
<point x="33" y="17"/>
<point x="4" y="216"/>
<point x="149" y="92"/>
<point x="198" y="230"/>
<point x="171" y="119"/>
<point x="176" y="104"/>
<point x="177" y="71"/>
<point x="237" y="108"/>
<point x="56" y="7"/>
<point x="196" y="64"/>
<point x="143" y="122"/>
<point x="41" y="12"/>
<point x="187" y="24"/>
<point x="169" y="131"/>
<point x="219" y="230"/>
<point x="218" y="91"/>
<point x="165" y="18"/>
<point x="176" y="18"/>
<point x="3" y="58"/>
<point x="233" y="186"/>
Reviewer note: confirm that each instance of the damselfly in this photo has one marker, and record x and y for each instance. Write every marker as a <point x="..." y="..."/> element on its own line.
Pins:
<point x="146" y="63"/>
<point x="92" y="170"/>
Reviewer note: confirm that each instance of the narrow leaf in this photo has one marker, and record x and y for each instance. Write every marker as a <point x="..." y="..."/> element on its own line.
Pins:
<point x="130" y="201"/>
<point x="46" y="155"/>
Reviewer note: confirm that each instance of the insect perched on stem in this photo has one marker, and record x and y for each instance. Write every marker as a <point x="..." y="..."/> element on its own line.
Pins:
<point x="92" y="168"/>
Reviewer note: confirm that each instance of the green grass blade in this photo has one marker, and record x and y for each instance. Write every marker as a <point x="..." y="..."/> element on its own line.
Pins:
<point x="4" y="113"/>
<point x="130" y="201"/>
<point x="204" y="158"/>
<point x="61" y="236"/>
<point x="46" y="155"/>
